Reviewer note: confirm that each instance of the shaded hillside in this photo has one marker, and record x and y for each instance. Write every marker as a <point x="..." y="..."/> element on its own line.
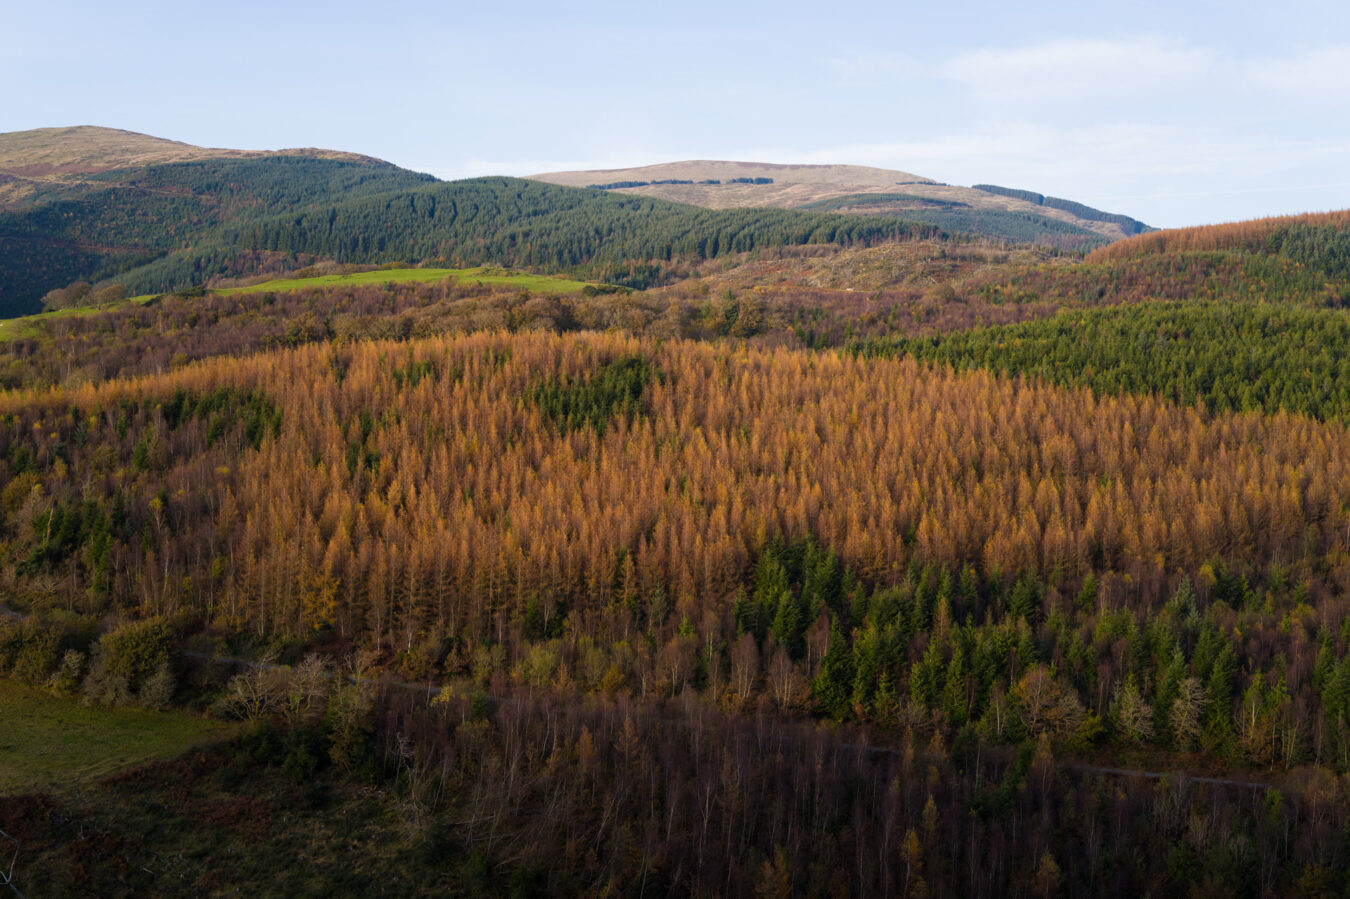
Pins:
<point x="1079" y="210"/>
<point x="721" y="184"/>
<point x="1012" y="226"/>
<point x="165" y="227"/>
<point x="112" y="222"/>
<point x="532" y="796"/>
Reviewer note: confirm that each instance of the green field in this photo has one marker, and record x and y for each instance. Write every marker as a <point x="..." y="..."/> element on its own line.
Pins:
<point x="27" y="325"/>
<point x="481" y="275"/>
<point x="46" y="740"/>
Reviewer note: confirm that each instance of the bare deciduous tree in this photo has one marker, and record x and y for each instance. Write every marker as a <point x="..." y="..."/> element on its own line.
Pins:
<point x="1046" y="706"/>
<point x="1185" y="713"/>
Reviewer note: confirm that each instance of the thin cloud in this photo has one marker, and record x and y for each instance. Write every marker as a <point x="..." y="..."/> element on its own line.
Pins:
<point x="871" y="66"/>
<point x="1313" y="73"/>
<point x="1081" y="67"/>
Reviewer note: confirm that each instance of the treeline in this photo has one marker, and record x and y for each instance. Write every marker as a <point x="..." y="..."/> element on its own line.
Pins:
<point x="1127" y="225"/>
<point x="552" y="511"/>
<point x="526" y="225"/>
<point x="1228" y="357"/>
<point x="135" y="662"/>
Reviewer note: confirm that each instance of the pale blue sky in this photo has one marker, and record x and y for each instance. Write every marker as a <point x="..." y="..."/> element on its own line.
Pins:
<point x="1213" y="111"/>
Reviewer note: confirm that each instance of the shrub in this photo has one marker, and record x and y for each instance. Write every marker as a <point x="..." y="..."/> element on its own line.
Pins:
<point x="137" y="650"/>
<point x="157" y="691"/>
<point x="68" y="673"/>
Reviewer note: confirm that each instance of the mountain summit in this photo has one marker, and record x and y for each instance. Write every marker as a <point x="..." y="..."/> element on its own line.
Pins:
<point x="719" y="184"/>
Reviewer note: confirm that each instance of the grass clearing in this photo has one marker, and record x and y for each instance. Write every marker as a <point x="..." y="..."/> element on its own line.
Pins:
<point x="48" y="740"/>
<point x="30" y="325"/>
<point x="481" y="275"/>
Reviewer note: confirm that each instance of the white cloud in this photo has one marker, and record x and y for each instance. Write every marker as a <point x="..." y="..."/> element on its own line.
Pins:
<point x="1311" y="73"/>
<point x="1147" y="125"/>
<point x="1075" y="68"/>
<point x="870" y="66"/>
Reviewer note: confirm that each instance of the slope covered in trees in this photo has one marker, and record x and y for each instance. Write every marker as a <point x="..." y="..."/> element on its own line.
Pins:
<point x="753" y="807"/>
<point x="115" y="221"/>
<point x="997" y="224"/>
<point x="1216" y="276"/>
<point x="531" y="796"/>
<point x="1126" y="224"/>
<point x="166" y="227"/>
<point x="527" y="224"/>
<point x="952" y="553"/>
<point x="1320" y="241"/>
<point x="1228" y="357"/>
<point x="776" y="577"/>
<point x="169" y="331"/>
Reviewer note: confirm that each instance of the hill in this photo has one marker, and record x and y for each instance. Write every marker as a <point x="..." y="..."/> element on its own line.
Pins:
<point x="853" y="556"/>
<point x="852" y="188"/>
<point x="36" y="162"/>
<point x="1318" y="239"/>
<point x="169" y="225"/>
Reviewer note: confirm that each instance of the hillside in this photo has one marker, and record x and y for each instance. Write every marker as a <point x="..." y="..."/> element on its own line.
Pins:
<point x="703" y="551"/>
<point x="850" y="188"/>
<point x="35" y="162"/>
<point x="633" y="565"/>
<point x="1318" y="239"/>
<point x="151" y="215"/>
<point x="166" y="226"/>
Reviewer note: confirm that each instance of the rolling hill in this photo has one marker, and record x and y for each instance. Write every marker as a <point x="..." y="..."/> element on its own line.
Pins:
<point x="852" y="188"/>
<point x="37" y="163"/>
<point x="107" y="206"/>
<point x="153" y="216"/>
<point x="855" y="558"/>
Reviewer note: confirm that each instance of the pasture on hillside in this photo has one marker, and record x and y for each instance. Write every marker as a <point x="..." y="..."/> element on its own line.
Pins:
<point x="48" y="741"/>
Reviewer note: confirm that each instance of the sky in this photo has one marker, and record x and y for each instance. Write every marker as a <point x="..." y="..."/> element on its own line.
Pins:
<point x="1175" y="113"/>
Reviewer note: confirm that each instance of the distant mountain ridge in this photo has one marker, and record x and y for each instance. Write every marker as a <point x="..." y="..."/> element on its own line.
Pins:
<point x="109" y="218"/>
<point x="93" y="145"/>
<point x="36" y="162"/>
<point x="104" y="206"/>
<point x="845" y="188"/>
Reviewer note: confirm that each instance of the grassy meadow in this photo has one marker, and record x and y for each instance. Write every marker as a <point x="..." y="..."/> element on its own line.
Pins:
<point x="48" y="741"/>
<point x="480" y="275"/>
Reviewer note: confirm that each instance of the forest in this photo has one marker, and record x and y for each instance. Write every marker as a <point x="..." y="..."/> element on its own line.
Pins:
<point x="796" y="554"/>
<point x="1012" y="226"/>
<point x="1129" y="225"/>
<point x="1229" y="357"/>
<point x="909" y="563"/>
<point x="173" y="226"/>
